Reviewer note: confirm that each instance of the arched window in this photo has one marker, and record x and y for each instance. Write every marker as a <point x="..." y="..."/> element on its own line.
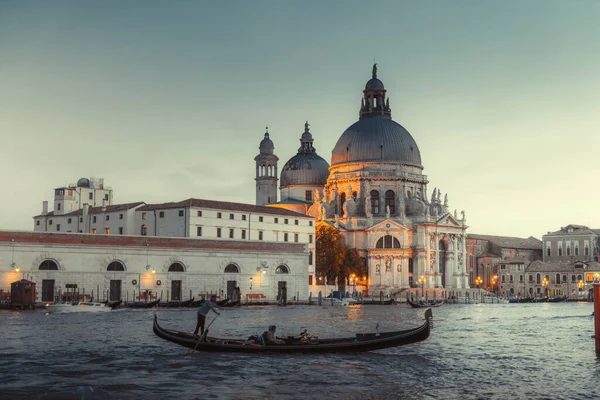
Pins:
<point x="144" y="230"/>
<point x="282" y="269"/>
<point x="48" y="265"/>
<point x="176" y="267"/>
<point x="115" y="266"/>
<point x="560" y="251"/>
<point x="579" y="277"/>
<point x="572" y="278"/>
<point x="538" y="279"/>
<point x="548" y="251"/>
<point x="342" y="201"/>
<point x="310" y="258"/>
<point x="232" y="269"/>
<point x="530" y="278"/>
<point x="387" y="242"/>
<point x="564" y="278"/>
<point x="568" y="250"/>
<point x="374" y="202"/>
<point x="390" y="201"/>
<point x="557" y="278"/>
<point x="576" y="250"/>
<point x="587" y="251"/>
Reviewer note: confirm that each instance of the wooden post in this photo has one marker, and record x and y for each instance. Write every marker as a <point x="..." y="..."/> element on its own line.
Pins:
<point x="381" y="297"/>
<point x="309" y="298"/>
<point x="596" y="316"/>
<point x="320" y="301"/>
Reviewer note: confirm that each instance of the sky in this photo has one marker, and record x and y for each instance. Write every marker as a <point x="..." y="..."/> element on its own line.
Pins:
<point x="168" y="100"/>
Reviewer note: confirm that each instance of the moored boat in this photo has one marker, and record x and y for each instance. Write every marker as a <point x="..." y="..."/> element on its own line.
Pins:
<point x="79" y="306"/>
<point x="424" y="304"/>
<point x="361" y="342"/>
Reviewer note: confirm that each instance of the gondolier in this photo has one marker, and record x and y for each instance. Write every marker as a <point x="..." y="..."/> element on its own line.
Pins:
<point x="203" y="310"/>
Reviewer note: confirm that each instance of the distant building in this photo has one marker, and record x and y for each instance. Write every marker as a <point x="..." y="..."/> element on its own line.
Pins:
<point x="571" y="243"/>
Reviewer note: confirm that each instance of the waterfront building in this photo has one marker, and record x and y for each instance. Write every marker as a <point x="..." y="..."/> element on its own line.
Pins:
<point x="571" y="243"/>
<point x="121" y="267"/>
<point x="375" y="194"/>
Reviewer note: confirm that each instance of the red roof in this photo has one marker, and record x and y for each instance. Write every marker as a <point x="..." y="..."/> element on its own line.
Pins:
<point x="221" y="205"/>
<point x="142" y="241"/>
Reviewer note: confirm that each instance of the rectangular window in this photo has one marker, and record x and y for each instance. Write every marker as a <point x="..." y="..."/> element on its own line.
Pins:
<point x="199" y="213"/>
<point x="276" y="220"/>
<point x="50" y="222"/>
<point x="260" y="219"/>
<point x="161" y="214"/>
<point x="106" y="197"/>
<point x="91" y="196"/>
<point x="144" y="215"/>
<point x="80" y="219"/>
<point x="296" y="237"/>
<point x="57" y="227"/>
<point x="94" y="231"/>
<point x="310" y="239"/>
<point x="181" y="213"/>
<point x="108" y="217"/>
<point x="243" y="234"/>
<point x="260" y="235"/>
<point x="69" y="221"/>
<point x="218" y="232"/>
<point x="310" y="279"/>
<point x="218" y="215"/>
<point x="94" y="219"/>
<point x="107" y="231"/>
<point x="310" y="223"/>
<point x="120" y="216"/>
<point x="243" y="217"/>
<point x="230" y="216"/>
<point x="37" y="223"/>
<point x="286" y="221"/>
<point x="308" y="195"/>
<point x="231" y="234"/>
<point x="70" y="192"/>
<point x="120" y="230"/>
<point x="58" y="205"/>
<point x="296" y="222"/>
<point x="198" y="231"/>
<point x="285" y="237"/>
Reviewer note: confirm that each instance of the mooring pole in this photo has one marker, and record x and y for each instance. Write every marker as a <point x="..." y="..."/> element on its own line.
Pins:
<point x="596" y="316"/>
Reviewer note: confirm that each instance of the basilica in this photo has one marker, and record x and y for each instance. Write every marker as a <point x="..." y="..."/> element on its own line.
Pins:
<point x="375" y="194"/>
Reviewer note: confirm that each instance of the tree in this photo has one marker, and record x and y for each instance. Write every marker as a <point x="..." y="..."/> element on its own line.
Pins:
<point x="329" y="251"/>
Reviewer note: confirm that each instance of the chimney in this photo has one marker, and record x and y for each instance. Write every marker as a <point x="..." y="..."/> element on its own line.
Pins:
<point x="103" y="205"/>
<point x="44" y="207"/>
<point x="86" y="218"/>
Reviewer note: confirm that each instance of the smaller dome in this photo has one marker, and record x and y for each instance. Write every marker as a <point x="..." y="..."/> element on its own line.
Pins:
<point x="266" y="145"/>
<point x="305" y="169"/>
<point x="83" y="182"/>
<point x="374" y="83"/>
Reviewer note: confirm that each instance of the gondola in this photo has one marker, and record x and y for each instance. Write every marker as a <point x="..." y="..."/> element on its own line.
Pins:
<point x="360" y="343"/>
<point x="176" y="304"/>
<point x="114" y="304"/>
<point x="423" y="304"/>
<point x="222" y="302"/>
<point x="143" y="304"/>
<point x="377" y="302"/>
<point x="231" y="304"/>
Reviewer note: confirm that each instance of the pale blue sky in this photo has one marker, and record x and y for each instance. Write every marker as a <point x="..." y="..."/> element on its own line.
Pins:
<point x="169" y="99"/>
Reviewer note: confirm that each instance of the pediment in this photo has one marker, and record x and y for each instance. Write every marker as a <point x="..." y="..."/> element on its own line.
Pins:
<point x="448" y="220"/>
<point x="387" y="225"/>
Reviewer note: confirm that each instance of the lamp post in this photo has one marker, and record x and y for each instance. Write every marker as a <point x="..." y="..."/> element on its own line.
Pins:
<point x="422" y="283"/>
<point x="494" y="284"/>
<point x="478" y="282"/>
<point x="580" y="285"/>
<point x="544" y="283"/>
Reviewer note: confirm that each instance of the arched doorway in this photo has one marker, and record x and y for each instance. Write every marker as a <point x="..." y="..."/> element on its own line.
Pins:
<point x="48" y="284"/>
<point x="231" y="282"/>
<point x="442" y="253"/>
<point x="176" y="283"/>
<point x="116" y="285"/>
<point x="282" y="285"/>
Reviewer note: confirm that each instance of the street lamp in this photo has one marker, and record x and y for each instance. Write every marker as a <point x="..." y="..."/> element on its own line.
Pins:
<point x="494" y="286"/>
<point x="544" y="283"/>
<point x="422" y="283"/>
<point x="580" y="284"/>
<point x="478" y="282"/>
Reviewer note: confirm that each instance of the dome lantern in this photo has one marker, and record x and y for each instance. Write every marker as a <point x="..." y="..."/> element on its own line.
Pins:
<point x="374" y="102"/>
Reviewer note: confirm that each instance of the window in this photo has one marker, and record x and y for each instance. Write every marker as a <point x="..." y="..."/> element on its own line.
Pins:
<point x="181" y="213"/>
<point x="218" y="232"/>
<point x="198" y="231"/>
<point x="548" y="251"/>
<point x="276" y="220"/>
<point x="218" y="215"/>
<point x="260" y="235"/>
<point x="232" y="269"/>
<point x="244" y="217"/>
<point x="120" y="230"/>
<point x="144" y="215"/>
<point x="568" y="250"/>
<point x="572" y="278"/>
<point x="37" y="223"/>
<point x="564" y="278"/>
<point x="511" y="279"/>
<point x="69" y="221"/>
<point x="48" y="265"/>
<point x="310" y="223"/>
<point x="70" y="192"/>
<point x="231" y="216"/>
<point x="199" y="213"/>
<point x="285" y="237"/>
<point x="310" y="258"/>
<point x="282" y="269"/>
<point x="106" y="197"/>
<point x="231" y="234"/>
<point x="308" y="195"/>
<point x="310" y="279"/>
<point x="57" y="227"/>
<point x="176" y="267"/>
<point x="576" y="250"/>
<point x="286" y="221"/>
<point x="503" y="278"/>
<point x="107" y="231"/>
<point x="91" y="196"/>
<point x="530" y="278"/>
<point x="310" y="239"/>
<point x="521" y="278"/>
<point x="587" y="251"/>
<point x="161" y="214"/>
<point x="80" y="219"/>
<point x="243" y="234"/>
<point x="50" y="222"/>
<point x="557" y="278"/>
<point x="260" y="219"/>
<point x="144" y="230"/>
<point x="296" y="222"/>
<point x="108" y="217"/>
<point x="560" y="251"/>
<point x="58" y="205"/>
<point x="94" y="219"/>
<point x="94" y="231"/>
<point x="374" y="202"/>
<point x="296" y="237"/>
<point x="390" y="201"/>
<point x="387" y="242"/>
<point x="538" y="279"/>
<point x="115" y="266"/>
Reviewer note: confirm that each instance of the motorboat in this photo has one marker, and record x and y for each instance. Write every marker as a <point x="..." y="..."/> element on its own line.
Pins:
<point x="80" y="306"/>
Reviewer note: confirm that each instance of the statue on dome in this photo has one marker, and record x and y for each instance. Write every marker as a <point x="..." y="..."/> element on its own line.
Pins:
<point x="446" y="201"/>
<point x="375" y="71"/>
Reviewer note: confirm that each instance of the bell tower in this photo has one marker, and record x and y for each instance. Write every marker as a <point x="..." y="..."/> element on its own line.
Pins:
<point x="266" y="172"/>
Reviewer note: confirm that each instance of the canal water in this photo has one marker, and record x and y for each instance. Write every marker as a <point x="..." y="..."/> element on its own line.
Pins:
<point x="485" y="351"/>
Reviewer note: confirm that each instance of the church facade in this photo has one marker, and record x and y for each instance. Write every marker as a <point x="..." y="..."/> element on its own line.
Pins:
<point x="375" y="194"/>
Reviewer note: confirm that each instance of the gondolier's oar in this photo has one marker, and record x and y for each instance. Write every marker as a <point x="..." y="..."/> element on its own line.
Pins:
<point x="203" y="337"/>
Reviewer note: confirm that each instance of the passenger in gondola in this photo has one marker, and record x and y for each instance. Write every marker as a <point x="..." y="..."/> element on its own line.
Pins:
<point x="271" y="338"/>
<point x="203" y="310"/>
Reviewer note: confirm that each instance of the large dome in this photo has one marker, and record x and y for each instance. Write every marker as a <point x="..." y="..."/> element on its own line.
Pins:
<point x="376" y="139"/>
<point x="305" y="169"/>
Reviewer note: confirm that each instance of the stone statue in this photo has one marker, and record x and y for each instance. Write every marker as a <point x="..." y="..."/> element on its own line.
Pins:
<point x="463" y="214"/>
<point x="336" y="224"/>
<point x="317" y="196"/>
<point x="433" y="196"/>
<point x="306" y="125"/>
<point x="455" y="215"/>
<point x="388" y="267"/>
<point x="375" y="71"/>
<point x="439" y="195"/>
<point x="387" y="212"/>
<point x="446" y="200"/>
<point x="368" y="205"/>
